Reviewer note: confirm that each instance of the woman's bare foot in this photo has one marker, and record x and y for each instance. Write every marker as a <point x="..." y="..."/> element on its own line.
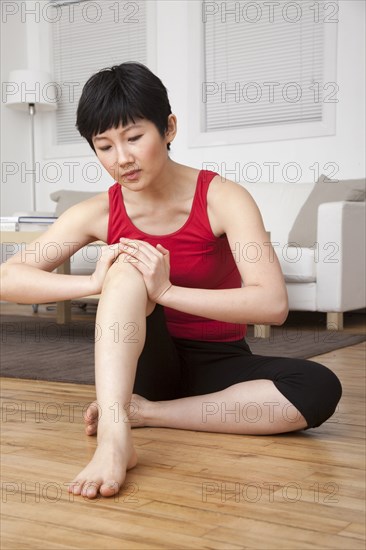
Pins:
<point x="106" y="472"/>
<point x="136" y="411"/>
<point x="91" y="419"/>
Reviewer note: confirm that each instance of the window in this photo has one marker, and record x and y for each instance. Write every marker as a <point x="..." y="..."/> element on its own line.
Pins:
<point x="267" y="71"/>
<point x="88" y="36"/>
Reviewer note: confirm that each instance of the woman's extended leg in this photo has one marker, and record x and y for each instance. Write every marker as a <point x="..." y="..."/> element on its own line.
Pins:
<point x="120" y="337"/>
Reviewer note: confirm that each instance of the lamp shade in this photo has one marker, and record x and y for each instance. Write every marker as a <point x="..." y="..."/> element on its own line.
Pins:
<point x="26" y="87"/>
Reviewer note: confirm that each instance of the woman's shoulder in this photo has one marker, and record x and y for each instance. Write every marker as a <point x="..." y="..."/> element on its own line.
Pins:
<point x="224" y="199"/>
<point x="222" y="189"/>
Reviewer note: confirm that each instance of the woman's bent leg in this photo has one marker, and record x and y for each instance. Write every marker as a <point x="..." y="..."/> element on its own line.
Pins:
<point x="230" y="390"/>
<point x="120" y="336"/>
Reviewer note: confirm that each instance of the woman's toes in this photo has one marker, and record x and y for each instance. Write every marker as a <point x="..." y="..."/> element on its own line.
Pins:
<point x="75" y="487"/>
<point x="91" y="419"/>
<point x="90" y="489"/>
<point x="109" y="488"/>
<point x="91" y="414"/>
<point x="91" y="429"/>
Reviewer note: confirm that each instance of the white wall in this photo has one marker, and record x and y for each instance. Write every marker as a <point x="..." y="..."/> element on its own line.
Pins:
<point x="15" y="129"/>
<point x="346" y="148"/>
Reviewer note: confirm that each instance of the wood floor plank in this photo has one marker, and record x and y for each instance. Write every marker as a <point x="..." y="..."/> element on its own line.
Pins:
<point x="257" y="534"/>
<point x="355" y="530"/>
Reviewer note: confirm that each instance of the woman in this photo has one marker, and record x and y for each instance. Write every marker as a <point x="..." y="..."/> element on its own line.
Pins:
<point x="171" y="349"/>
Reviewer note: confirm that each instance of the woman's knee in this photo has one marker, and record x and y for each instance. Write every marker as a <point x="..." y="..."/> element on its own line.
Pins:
<point x="334" y="390"/>
<point x="121" y="269"/>
<point x="122" y="274"/>
<point x="311" y="387"/>
<point x="326" y="394"/>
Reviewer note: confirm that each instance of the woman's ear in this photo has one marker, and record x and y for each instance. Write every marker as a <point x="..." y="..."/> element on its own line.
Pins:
<point x="171" y="128"/>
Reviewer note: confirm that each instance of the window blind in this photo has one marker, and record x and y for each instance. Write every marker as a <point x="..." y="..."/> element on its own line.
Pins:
<point x="87" y="37"/>
<point x="262" y="73"/>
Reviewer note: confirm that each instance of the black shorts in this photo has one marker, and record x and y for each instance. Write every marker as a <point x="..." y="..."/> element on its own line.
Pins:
<point x="170" y="368"/>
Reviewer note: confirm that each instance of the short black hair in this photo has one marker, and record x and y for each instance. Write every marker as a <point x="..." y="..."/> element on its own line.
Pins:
<point x="120" y="95"/>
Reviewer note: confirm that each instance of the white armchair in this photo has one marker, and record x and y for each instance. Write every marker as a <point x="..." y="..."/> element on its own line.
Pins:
<point x="320" y="243"/>
<point x="341" y="279"/>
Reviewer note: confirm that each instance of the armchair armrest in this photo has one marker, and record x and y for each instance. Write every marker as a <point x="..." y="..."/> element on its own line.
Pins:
<point x="340" y="263"/>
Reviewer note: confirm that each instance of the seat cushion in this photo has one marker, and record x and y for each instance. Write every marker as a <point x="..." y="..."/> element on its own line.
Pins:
<point x="302" y="297"/>
<point x="297" y="264"/>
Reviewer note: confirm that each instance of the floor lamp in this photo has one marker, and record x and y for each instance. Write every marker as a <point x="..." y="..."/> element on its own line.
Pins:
<point x="31" y="91"/>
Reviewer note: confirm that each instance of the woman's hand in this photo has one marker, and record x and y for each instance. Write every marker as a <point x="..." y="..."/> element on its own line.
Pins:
<point x="108" y="256"/>
<point x="153" y="263"/>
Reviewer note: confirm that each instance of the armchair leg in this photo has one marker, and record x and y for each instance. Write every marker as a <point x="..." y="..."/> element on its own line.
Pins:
<point x="334" y="320"/>
<point x="262" y="331"/>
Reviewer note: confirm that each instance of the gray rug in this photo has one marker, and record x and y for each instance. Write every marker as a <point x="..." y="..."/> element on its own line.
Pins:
<point x="39" y="349"/>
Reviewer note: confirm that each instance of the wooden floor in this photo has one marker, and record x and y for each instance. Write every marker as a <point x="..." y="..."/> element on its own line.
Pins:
<point x="189" y="489"/>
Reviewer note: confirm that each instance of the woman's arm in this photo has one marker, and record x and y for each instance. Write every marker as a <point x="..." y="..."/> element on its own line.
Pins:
<point x="263" y="299"/>
<point x="27" y="277"/>
<point x="233" y="305"/>
<point x="29" y="285"/>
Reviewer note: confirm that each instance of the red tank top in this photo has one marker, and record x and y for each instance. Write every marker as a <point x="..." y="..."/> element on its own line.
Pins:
<point x="198" y="259"/>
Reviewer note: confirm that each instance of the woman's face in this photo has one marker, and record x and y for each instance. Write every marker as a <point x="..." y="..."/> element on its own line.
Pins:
<point x="134" y="155"/>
